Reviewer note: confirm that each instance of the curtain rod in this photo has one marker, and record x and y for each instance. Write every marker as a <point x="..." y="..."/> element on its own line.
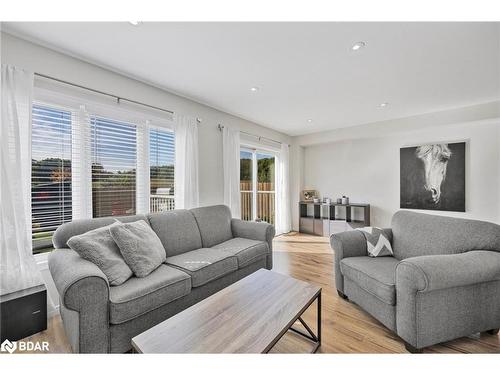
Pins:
<point x="220" y="127"/>
<point x="118" y="98"/>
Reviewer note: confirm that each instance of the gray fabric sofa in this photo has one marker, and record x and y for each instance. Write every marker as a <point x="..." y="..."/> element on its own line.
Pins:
<point x="442" y="283"/>
<point x="206" y="251"/>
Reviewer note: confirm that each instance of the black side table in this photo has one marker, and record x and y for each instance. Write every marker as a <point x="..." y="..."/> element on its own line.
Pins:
<point x="23" y="313"/>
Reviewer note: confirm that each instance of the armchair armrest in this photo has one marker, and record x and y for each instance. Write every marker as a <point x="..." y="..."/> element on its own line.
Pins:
<point x="442" y="297"/>
<point x="83" y="288"/>
<point x="349" y="244"/>
<point x="433" y="272"/>
<point x="255" y="231"/>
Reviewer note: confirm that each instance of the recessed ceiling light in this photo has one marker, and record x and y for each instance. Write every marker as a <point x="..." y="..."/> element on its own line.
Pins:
<point x="309" y="120"/>
<point x="357" y="46"/>
<point x="135" y="23"/>
<point x="382" y="105"/>
<point x="254" y="89"/>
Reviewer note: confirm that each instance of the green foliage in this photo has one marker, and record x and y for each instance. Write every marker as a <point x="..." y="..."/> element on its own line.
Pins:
<point x="265" y="170"/>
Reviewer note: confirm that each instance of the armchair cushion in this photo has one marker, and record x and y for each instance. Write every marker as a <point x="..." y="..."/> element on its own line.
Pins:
<point x="138" y="296"/>
<point x="244" y="249"/>
<point x="204" y="265"/>
<point x="433" y="272"/>
<point x="374" y="275"/>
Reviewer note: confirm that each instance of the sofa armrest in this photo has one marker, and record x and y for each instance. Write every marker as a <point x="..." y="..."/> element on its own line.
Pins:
<point x="344" y="245"/>
<point x="83" y="288"/>
<point x="255" y="231"/>
<point x="442" y="297"/>
<point x="433" y="272"/>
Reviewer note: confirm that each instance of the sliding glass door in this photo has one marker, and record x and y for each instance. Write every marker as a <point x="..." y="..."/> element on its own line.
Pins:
<point x="257" y="185"/>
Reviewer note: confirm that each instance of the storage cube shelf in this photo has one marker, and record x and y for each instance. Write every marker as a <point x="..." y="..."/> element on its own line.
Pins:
<point x="323" y="219"/>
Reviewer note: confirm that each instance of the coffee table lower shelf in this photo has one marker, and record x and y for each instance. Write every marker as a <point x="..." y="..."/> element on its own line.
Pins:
<point x="309" y="334"/>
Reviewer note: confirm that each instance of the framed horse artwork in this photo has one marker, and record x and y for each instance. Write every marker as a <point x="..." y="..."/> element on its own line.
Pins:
<point x="432" y="177"/>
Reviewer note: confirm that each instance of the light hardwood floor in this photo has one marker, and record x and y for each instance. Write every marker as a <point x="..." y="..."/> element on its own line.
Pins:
<point x="345" y="329"/>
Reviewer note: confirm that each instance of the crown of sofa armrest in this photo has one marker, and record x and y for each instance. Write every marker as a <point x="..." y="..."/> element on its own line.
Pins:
<point x="434" y="272"/>
<point x="84" y="289"/>
<point x="418" y="278"/>
<point x="73" y="276"/>
<point x="257" y="231"/>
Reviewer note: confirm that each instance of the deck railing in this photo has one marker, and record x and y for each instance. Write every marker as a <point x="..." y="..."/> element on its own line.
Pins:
<point x="265" y="202"/>
<point x="161" y="202"/>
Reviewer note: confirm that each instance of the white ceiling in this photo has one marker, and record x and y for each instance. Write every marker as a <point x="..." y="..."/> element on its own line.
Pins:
<point x="304" y="70"/>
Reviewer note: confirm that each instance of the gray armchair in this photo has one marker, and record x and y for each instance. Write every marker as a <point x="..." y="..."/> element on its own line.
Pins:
<point x="442" y="283"/>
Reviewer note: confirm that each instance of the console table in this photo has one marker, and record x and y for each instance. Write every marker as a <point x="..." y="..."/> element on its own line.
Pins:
<point x="324" y="219"/>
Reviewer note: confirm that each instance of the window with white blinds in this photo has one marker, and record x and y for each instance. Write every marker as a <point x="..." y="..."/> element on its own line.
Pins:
<point x="114" y="160"/>
<point x="96" y="158"/>
<point x="162" y="160"/>
<point x="50" y="173"/>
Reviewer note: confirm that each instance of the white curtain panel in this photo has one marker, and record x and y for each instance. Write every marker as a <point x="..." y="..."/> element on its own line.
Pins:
<point x="283" y="218"/>
<point x="231" y="166"/>
<point x="186" y="162"/>
<point x="18" y="269"/>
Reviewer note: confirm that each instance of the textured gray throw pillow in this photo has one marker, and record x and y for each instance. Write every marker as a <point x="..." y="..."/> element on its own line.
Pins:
<point x="140" y="246"/>
<point x="377" y="243"/>
<point x="99" y="247"/>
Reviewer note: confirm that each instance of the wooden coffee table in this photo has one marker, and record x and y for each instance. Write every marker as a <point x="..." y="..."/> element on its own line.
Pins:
<point x="249" y="316"/>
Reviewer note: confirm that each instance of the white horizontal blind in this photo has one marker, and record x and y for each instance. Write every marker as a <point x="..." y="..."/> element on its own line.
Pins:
<point x="162" y="161"/>
<point x="114" y="160"/>
<point x="51" y="195"/>
<point x="93" y="155"/>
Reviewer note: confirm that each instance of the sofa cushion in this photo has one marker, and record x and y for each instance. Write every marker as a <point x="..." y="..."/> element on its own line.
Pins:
<point x="98" y="247"/>
<point x="378" y="243"/>
<point x="204" y="265"/>
<point x="416" y="234"/>
<point x="374" y="275"/>
<point x="138" y="296"/>
<point x="214" y="223"/>
<point x="177" y="230"/>
<point x="140" y="246"/>
<point x="64" y="232"/>
<point x="245" y="250"/>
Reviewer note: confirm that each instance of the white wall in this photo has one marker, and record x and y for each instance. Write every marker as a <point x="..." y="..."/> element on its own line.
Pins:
<point x="43" y="60"/>
<point x="367" y="168"/>
<point x="39" y="59"/>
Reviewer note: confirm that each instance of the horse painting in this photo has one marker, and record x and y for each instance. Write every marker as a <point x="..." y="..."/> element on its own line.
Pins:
<point x="432" y="177"/>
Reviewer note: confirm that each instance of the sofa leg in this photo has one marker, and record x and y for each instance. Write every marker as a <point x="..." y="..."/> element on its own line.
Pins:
<point x="412" y="349"/>
<point x="493" y="331"/>
<point x="342" y="295"/>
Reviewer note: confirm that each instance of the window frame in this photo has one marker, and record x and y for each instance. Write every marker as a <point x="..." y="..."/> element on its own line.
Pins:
<point x="72" y="100"/>
<point x="37" y="250"/>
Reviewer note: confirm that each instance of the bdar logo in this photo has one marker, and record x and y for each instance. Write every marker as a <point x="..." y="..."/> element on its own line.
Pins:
<point x="8" y="346"/>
